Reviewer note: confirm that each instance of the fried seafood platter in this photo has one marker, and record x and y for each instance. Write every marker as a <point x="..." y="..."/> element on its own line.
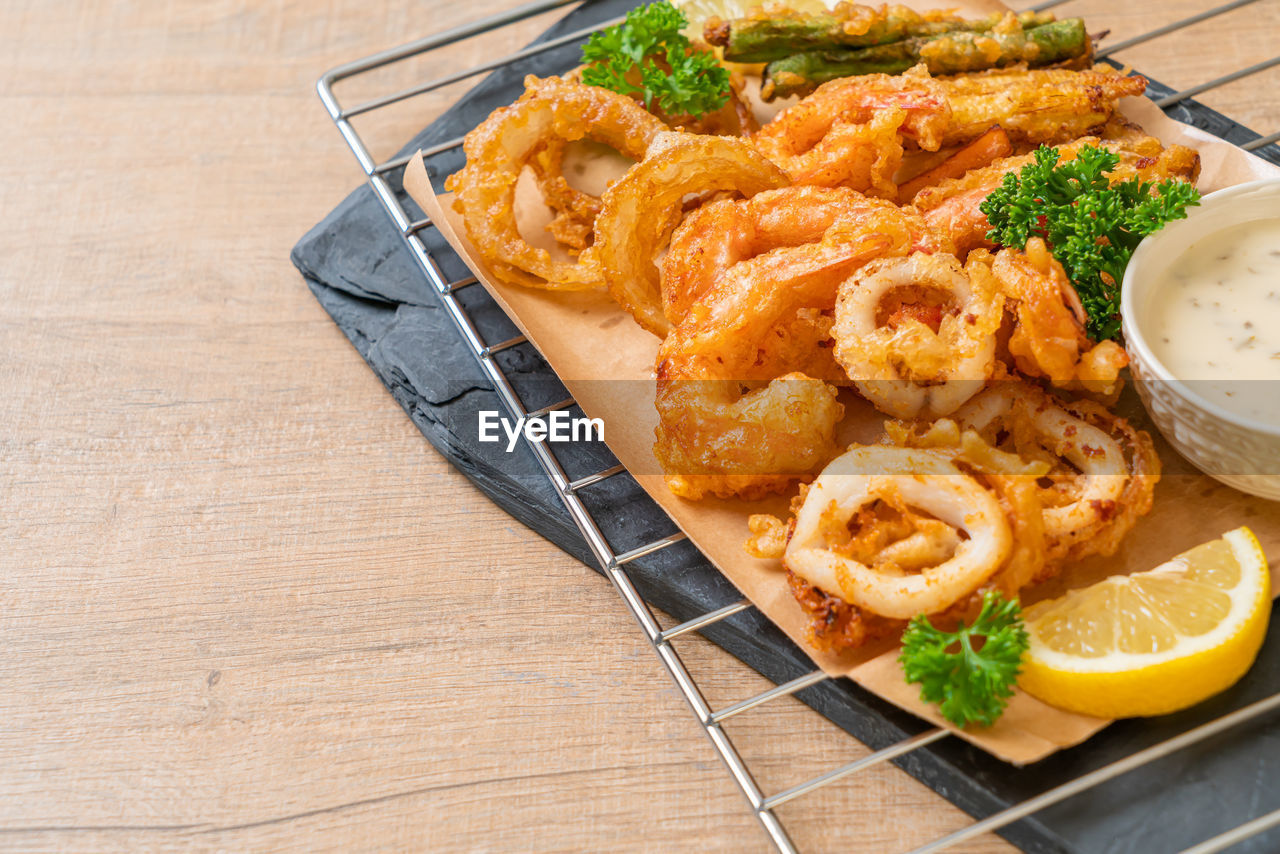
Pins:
<point x="870" y="387"/>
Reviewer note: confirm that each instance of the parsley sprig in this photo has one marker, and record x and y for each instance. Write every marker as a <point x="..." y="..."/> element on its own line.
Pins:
<point x="1091" y="227"/>
<point x="647" y="55"/>
<point x="968" y="684"/>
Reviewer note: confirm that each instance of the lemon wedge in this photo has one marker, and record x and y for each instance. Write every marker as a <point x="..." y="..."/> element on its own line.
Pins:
<point x="1153" y="642"/>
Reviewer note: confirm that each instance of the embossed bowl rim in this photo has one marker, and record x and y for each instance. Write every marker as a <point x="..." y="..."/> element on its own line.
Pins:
<point x="1162" y="249"/>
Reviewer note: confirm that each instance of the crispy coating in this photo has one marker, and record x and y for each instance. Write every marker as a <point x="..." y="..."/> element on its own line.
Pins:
<point x="897" y="545"/>
<point x="498" y="150"/>
<point x="1048" y="337"/>
<point x="1045" y="105"/>
<point x="834" y="624"/>
<point x="917" y="334"/>
<point x="1102" y="471"/>
<point x="952" y="207"/>
<point x="575" y="211"/>
<point x="1011" y="479"/>
<point x="641" y="210"/>
<point x="850" y="132"/>
<point x="861" y="558"/>
<point x="711" y="437"/>
<point x="875" y="540"/>
<point x="723" y="233"/>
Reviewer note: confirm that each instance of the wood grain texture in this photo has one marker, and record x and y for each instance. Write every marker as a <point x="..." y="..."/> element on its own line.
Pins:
<point x="243" y="604"/>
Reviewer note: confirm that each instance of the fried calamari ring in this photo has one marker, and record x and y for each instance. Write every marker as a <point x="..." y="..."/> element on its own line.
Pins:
<point x="711" y="438"/>
<point x="850" y="131"/>
<point x="643" y="207"/>
<point x="1048" y="338"/>
<point x="917" y="334"/>
<point x="498" y="150"/>
<point x="1093" y="492"/>
<point x="1011" y="479"/>
<point x="834" y="625"/>
<point x="902" y="478"/>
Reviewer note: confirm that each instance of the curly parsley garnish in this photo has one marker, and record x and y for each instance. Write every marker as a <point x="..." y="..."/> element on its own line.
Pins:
<point x="1091" y="227"/>
<point x="967" y="684"/>
<point x="647" y="55"/>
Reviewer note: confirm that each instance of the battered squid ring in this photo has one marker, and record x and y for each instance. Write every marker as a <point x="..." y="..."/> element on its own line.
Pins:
<point x="850" y="131"/>
<point x="923" y="359"/>
<point x="498" y="150"/>
<point x="922" y="479"/>
<point x="642" y="209"/>
<point x="1089" y="506"/>
<point x="1011" y="479"/>
<point x="711" y="438"/>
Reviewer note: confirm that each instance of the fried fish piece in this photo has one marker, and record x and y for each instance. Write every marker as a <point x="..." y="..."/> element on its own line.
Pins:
<point x="1048" y="105"/>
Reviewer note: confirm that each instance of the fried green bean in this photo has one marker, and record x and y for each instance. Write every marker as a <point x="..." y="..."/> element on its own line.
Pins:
<point x="775" y="36"/>
<point x="950" y="53"/>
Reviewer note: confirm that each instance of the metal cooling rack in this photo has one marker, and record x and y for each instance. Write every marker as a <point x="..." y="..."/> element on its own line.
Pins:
<point x="613" y="563"/>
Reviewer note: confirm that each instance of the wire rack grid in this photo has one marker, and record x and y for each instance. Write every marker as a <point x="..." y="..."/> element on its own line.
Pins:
<point x="614" y="563"/>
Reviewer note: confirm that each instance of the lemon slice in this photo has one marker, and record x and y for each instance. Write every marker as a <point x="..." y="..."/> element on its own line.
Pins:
<point x="1153" y="642"/>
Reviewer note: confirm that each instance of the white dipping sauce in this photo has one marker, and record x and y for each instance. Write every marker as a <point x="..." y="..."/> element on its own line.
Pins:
<point x="1215" y="318"/>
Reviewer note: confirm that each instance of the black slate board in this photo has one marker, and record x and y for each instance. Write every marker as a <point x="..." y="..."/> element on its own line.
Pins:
<point x="360" y="270"/>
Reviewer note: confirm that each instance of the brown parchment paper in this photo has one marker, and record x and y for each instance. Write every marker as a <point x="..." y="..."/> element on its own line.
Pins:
<point x="587" y="338"/>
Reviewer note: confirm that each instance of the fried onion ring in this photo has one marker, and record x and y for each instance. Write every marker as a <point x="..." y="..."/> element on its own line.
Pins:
<point x="498" y="150"/>
<point x="917" y="334"/>
<point x="575" y="211"/>
<point x="924" y="480"/>
<point x="642" y="208"/>
<point x="850" y="131"/>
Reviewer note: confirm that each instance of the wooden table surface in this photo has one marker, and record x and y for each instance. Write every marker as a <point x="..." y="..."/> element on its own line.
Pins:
<point x="245" y="605"/>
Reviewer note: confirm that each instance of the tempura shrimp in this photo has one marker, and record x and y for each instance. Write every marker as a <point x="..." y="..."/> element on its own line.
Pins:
<point x="713" y="438"/>
<point x="720" y="234"/>
<point x="851" y="131"/>
<point x="1048" y="337"/>
<point x="629" y="235"/>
